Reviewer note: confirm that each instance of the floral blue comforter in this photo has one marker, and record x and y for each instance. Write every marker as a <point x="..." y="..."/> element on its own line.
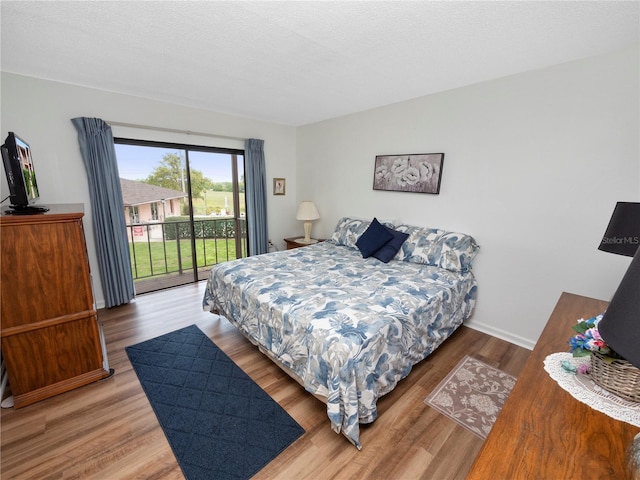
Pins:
<point x="349" y="328"/>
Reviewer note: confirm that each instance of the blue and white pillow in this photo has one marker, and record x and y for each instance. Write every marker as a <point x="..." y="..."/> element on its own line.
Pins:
<point x="349" y="229"/>
<point x="431" y="246"/>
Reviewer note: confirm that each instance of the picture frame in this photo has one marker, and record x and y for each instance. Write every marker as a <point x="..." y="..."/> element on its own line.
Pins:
<point x="416" y="172"/>
<point x="279" y="186"/>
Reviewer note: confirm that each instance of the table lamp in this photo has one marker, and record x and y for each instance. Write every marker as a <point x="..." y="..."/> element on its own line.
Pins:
<point x="307" y="212"/>
<point x="623" y="232"/>
<point x="620" y="326"/>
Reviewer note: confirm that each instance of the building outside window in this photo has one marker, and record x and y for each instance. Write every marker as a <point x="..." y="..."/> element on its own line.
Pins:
<point x="134" y="215"/>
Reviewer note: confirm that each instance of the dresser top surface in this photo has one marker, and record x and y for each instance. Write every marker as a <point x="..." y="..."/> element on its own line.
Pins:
<point x="57" y="212"/>
<point x="542" y="431"/>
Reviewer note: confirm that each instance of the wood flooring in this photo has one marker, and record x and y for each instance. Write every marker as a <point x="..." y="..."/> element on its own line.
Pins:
<point x="107" y="430"/>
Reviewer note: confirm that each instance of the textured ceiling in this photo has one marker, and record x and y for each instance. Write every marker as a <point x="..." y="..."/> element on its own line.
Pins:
<point x="296" y="63"/>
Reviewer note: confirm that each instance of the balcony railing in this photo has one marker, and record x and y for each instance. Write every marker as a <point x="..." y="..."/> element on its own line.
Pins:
<point x="162" y="255"/>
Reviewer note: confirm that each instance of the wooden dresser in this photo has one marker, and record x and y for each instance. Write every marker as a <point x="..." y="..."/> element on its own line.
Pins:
<point x="545" y="433"/>
<point x="51" y="340"/>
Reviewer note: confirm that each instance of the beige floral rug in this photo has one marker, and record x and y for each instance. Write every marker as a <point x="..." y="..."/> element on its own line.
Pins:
<point x="472" y="395"/>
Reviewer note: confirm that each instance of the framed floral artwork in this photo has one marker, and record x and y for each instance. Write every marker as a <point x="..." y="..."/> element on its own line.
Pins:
<point x="279" y="186"/>
<point x="420" y="172"/>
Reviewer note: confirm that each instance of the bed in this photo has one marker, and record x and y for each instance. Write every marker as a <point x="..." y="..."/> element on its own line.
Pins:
<point x="349" y="328"/>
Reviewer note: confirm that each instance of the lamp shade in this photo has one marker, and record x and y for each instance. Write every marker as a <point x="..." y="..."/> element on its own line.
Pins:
<point x="307" y="211"/>
<point x="620" y="325"/>
<point x="623" y="232"/>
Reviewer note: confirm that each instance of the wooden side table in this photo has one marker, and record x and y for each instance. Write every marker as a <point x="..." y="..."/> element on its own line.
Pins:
<point x="296" y="242"/>
<point x="542" y="431"/>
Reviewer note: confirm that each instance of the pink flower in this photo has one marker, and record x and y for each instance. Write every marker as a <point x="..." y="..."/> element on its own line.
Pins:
<point x="583" y="369"/>
<point x="595" y="333"/>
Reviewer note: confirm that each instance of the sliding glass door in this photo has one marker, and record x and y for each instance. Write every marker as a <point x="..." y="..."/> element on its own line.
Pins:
<point x="184" y="206"/>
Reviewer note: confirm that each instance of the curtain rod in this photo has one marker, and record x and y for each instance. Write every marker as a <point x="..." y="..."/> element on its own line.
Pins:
<point x="172" y="130"/>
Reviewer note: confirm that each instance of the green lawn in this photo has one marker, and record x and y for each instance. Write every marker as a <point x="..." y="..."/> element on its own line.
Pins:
<point x="158" y="258"/>
<point x="213" y="202"/>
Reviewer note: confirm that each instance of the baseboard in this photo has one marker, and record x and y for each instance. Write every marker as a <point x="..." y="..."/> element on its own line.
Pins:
<point x="501" y="334"/>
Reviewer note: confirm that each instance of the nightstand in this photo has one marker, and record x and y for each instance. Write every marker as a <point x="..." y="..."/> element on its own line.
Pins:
<point x="297" y="242"/>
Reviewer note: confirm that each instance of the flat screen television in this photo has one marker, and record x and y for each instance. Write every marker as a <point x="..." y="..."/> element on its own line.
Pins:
<point x="21" y="176"/>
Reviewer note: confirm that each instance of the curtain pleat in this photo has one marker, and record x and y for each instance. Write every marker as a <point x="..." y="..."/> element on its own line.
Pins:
<point x="99" y="155"/>
<point x="256" y="193"/>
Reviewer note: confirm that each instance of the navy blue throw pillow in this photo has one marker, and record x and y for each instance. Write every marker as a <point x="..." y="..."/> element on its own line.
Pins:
<point x="373" y="238"/>
<point x="389" y="249"/>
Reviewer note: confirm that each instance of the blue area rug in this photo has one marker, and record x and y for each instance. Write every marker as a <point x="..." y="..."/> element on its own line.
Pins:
<point x="218" y="421"/>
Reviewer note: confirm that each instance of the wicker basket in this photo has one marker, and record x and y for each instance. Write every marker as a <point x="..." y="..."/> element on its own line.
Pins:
<point x="619" y="377"/>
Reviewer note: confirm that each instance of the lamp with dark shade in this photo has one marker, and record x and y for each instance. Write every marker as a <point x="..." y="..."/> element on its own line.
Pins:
<point x="620" y="325"/>
<point x="623" y="232"/>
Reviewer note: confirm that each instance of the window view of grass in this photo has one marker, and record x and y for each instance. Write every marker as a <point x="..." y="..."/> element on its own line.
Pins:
<point x="208" y="180"/>
<point x="212" y="202"/>
<point x="171" y="251"/>
<point x="158" y="258"/>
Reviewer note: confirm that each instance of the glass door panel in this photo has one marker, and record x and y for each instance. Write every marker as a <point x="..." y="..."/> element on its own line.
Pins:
<point x="219" y="212"/>
<point x="184" y="209"/>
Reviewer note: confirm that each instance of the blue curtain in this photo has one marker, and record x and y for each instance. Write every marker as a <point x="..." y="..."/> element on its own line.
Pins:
<point x="256" y="193"/>
<point x="99" y="155"/>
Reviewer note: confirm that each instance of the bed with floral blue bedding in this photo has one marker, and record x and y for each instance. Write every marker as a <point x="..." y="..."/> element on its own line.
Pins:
<point x="349" y="328"/>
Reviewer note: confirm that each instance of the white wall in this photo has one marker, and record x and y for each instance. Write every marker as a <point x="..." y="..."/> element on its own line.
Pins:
<point x="534" y="164"/>
<point x="40" y="111"/>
